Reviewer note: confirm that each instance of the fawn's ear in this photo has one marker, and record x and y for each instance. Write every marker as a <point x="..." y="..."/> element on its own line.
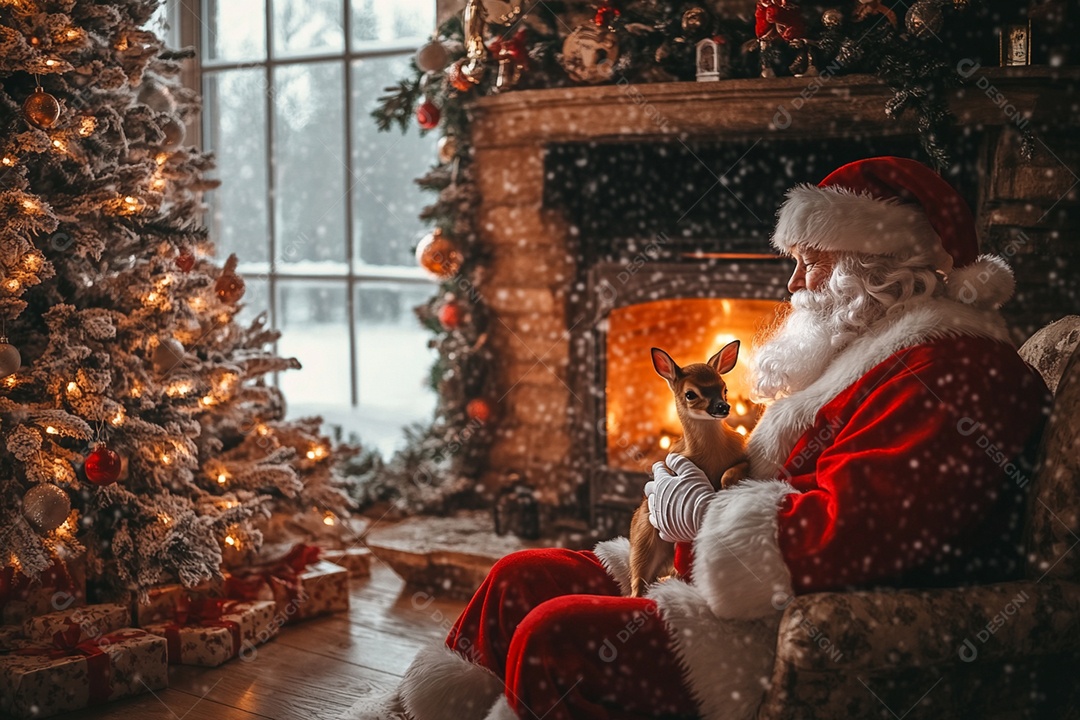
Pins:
<point x="663" y="364"/>
<point x="723" y="361"/>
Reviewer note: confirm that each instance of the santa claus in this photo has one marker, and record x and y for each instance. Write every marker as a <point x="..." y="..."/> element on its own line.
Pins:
<point x="887" y="383"/>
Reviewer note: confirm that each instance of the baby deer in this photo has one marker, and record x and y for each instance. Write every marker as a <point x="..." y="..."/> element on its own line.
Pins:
<point x="708" y="442"/>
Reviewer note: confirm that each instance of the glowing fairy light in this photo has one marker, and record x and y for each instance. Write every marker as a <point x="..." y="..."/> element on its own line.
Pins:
<point x="222" y="478"/>
<point x="329" y="518"/>
<point x="52" y="430"/>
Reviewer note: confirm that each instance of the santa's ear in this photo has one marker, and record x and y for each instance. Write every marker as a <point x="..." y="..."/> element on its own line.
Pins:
<point x="723" y="361"/>
<point x="663" y="364"/>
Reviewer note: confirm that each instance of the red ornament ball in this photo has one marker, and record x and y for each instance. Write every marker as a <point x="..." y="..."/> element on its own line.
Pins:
<point x="428" y="115"/>
<point x="229" y="287"/>
<point x="103" y="465"/>
<point x="479" y="410"/>
<point x="185" y="261"/>
<point x="450" y="315"/>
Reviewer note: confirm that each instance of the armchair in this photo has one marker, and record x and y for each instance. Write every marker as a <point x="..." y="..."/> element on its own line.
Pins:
<point x="1004" y="651"/>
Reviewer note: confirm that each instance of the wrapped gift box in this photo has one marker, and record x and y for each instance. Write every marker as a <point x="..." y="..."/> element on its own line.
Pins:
<point x="356" y="560"/>
<point x="214" y="631"/>
<point x="302" y="585"/>
<point x="60" y="587"/>
<point x="42" y="680"/>
<point x="158" y="606"/>
<point x="324" y="589"/>
<point x="92" y="621"/>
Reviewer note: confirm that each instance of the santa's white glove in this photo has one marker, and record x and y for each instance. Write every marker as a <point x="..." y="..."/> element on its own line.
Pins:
<point x="677" y="502"/>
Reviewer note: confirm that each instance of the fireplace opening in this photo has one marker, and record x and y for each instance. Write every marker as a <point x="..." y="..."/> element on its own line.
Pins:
<point x="640" y="417"/>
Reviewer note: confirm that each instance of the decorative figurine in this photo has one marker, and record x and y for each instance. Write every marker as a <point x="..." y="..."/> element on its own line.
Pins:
<point x="713" y="59"/>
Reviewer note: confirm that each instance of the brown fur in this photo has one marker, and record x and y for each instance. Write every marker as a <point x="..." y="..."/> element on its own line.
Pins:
<point x="707" y="442"/>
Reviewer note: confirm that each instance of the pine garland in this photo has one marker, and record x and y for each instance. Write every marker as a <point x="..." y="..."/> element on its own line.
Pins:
<point x="440" y="458"/>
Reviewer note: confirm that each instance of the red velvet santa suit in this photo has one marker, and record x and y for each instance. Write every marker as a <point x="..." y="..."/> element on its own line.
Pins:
<point x="905" y="464"/>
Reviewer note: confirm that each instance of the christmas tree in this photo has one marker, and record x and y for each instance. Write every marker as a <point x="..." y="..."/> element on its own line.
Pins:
<point x="135" y="420"/>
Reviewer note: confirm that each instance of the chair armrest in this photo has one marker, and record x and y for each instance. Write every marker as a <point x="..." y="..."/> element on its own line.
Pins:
<point x="913" y="628"/>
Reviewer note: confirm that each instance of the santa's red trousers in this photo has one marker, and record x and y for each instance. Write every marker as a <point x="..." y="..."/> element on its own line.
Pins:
<point x="554" y="626"/>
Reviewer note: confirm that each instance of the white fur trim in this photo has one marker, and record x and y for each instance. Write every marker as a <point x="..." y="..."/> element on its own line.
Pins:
<point x="615" y="557"/>
<point x="986" y="283"/>
<point x="501" y="710"/>
<point x="442" y="685"/>
<point x="737" y="560"/>
<point x="726" y="663"/>
<point x="924" y="320"/>
<point x="376" y="707"/>
<point x="836" y="218"/>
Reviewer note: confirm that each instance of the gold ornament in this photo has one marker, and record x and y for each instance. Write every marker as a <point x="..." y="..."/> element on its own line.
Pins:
<point x="46" y="507"/>
<point x="448" y="148"/>
<point x="589" y="54"/>
<point x="476" y="52"/>
<point x="10" y="359"/>
<point x="925" y="19"/>
<point x="695" y="23"/>
<point x="439" y="255"/>
<point x="41" y="109"/>
<point x="832" y="18"/>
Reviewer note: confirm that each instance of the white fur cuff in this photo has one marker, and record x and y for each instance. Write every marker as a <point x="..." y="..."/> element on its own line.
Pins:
<point x="737" y="560"/>
<point x="501" y="710"/>
<point x="614" y="555"/>
<point x="442" y="685"/>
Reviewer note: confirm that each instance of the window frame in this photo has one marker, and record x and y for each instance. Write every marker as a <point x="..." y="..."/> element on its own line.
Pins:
<point x="188" y="27"/>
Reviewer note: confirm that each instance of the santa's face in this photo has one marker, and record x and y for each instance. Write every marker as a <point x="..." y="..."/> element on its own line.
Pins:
<point x="813" y="268"/>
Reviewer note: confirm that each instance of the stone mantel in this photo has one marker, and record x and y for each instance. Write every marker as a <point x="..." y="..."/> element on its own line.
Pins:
<point x="1026" y="209"/>
<point x="818" y="107"/>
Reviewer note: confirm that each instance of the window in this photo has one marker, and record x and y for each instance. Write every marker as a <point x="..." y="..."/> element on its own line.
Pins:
<point x="319" y="206"/>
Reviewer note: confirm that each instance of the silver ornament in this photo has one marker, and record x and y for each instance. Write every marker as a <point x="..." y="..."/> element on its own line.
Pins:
<point x="432" y="57"/>
<point x="10" y="359"/>
<point x="46" y="507"/>
<point x="168" y="354"/>
<point x="174" y="132"/>
<point x="447" y="149"/>
<point x="925" y="19"/>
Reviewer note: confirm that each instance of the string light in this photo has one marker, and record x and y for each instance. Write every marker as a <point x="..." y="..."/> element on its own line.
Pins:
<point x="222" y="478"/>
<point x="230" y="540"/>
<point x="329" y="518"/>
<point x="740" y="408"/>
<point x="52" y="430"/>
<point x="87" y="125"/>
<point x="741" y="430"/>
<point x="32" y="262"/>
<point x="30" y="206"/>
<point x="164" y="519"/>
<point x="11" y="381"/>
<point x="166" y="459"/>
<point x="51" y="63"/>
<point x="316" y="453"/>
<point x="13" y="285"/>
<point x="179" y="389"/>
<point x="60" y="145"/>
<point x="665" y="441"/>
<point x="118" y="418"/>
<point x="73" y="388"/>
<point x="136" y="389"/>
<point x="207" y="400"/>
<point x="8" y="161"/>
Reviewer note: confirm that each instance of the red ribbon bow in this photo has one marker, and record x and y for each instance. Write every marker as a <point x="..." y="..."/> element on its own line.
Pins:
<point x="284" y="574"/>
<point x="65" y="643"/>
<point x="201" y="612"/>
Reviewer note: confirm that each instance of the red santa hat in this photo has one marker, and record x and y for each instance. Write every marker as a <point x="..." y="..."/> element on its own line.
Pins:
<point x="898" y="207"/>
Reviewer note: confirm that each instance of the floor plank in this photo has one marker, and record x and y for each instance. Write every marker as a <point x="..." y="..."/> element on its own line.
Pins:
<point x="316" y="669"/>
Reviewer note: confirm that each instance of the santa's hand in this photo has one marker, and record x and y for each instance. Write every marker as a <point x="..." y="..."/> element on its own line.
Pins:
<point x="678" y="498"/>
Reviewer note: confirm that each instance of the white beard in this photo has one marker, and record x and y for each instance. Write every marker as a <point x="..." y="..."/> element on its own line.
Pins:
<point x="820" y="326"/>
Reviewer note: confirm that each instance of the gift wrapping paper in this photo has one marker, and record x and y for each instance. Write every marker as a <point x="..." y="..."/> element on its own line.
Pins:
<point x="324" y="589"/>
<point x="356" y="560"/>
<point x="42" y="680"/>
<point x="211" y="637"/>
<point x="92" y="621"/>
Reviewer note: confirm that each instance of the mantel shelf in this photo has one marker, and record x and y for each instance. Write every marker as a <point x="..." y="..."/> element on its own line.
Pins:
<point x="818" y="107"/>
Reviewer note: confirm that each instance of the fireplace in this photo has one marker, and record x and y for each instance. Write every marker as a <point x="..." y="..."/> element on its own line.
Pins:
<point x="690" y="309"/>
<point x="610" y="232"/>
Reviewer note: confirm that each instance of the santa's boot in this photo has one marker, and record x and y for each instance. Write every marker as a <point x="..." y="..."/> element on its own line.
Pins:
<point x="439" y="685"/>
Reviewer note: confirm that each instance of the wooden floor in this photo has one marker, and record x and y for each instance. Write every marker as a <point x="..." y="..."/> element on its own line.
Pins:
<point x="316" y="669"/>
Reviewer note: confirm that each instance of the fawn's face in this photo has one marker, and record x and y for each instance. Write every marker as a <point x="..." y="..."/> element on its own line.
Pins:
<point x="700" y="391"/>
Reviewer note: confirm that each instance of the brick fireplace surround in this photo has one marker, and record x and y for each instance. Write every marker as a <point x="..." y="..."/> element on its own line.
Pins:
<point x="1025" y="210"/>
